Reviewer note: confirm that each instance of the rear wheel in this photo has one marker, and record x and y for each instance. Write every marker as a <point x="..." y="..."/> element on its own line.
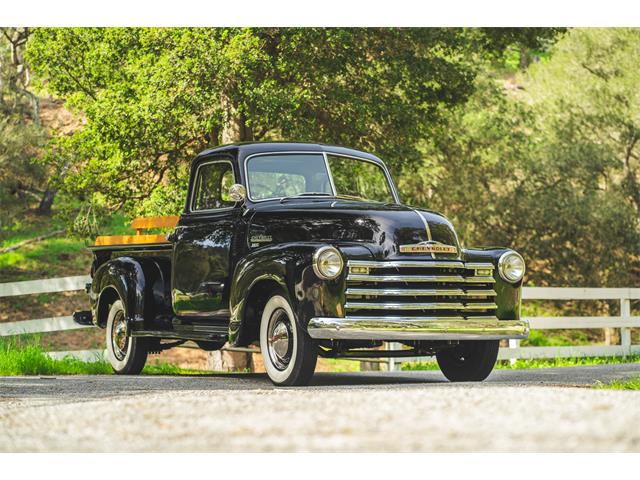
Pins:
<point x="127" y="355"/>
<point x="288" y="352"/>
<point x="470" y="361"/>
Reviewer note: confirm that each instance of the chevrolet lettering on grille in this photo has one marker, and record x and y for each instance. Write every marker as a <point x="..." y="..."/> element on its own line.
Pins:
<point x="428" y="247"/>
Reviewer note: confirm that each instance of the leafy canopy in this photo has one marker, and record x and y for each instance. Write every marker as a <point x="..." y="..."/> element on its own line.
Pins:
<point x="152" y="97"/>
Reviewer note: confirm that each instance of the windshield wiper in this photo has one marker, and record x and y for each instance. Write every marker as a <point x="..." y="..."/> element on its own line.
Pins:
<point x="307" y="194"/>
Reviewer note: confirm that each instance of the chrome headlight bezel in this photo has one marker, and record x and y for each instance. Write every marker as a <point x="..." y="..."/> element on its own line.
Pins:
<point x="320" y="254"/>
<point x="504" y="263"/>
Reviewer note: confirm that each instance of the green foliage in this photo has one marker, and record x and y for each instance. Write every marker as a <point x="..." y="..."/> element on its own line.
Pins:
<point x="21" y="178"/>
<point x="153" y="97"/>
<point x="552" y="171"/>
<point x="57" y="256"/>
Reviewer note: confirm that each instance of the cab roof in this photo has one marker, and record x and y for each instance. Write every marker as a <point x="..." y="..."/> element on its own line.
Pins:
<point x="245" y="149"/>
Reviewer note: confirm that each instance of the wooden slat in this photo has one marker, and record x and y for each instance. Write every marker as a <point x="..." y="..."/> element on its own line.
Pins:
<point x="566" y="352"/>
<point x="41" y="325"/>
<point x="84" y="355"/>
<point x="550" y="323"/>
<point x="565" y="293"/>
<point x="50" y="285"/>
<point x="130" y="239"/>
<point x="155" y="222"/>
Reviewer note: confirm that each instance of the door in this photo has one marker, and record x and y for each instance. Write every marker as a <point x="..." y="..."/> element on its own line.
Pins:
<point x="202" y="245"/>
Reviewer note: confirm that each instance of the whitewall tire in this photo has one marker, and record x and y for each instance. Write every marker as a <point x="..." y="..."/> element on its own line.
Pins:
<point x="127" y="355"/>
<point x="288" y="353"/>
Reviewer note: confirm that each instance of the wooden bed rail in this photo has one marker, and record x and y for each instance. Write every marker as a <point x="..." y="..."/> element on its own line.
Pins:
<point x="141" y="224"/>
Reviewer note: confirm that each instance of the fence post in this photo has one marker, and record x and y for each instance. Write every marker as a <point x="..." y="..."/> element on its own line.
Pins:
<point x="625" y="332"/>
<point x="392" y="361"/>
<point x="513" y="343"/>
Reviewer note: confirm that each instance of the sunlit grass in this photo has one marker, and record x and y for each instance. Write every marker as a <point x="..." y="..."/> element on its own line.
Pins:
<point x="631" y="384"/>
<point x="25" y="356"/>
<point x="537" y="363"/>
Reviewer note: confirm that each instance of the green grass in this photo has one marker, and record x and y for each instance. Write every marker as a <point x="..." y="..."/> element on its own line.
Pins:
<point x="26" y="357"/>
<point x="53" y="257"/>
<point x="631" y="384"/>
<point x="538" y="338"/>
<point x="538" y="363"/>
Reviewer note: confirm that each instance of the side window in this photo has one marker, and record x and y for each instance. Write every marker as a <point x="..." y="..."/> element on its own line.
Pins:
<point x="212" y="185"/>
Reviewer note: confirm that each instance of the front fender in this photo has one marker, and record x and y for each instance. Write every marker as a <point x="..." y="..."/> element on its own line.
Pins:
<point x="509" y="295"/>
<point x="290" y="266"/>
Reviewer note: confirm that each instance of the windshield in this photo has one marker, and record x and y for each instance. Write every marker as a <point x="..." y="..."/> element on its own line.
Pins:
<point x="288" y="175"/>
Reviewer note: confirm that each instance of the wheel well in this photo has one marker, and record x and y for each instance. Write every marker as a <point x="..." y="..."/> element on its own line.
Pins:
<point x="255" y="303"/>
<point x="108" y="296"/>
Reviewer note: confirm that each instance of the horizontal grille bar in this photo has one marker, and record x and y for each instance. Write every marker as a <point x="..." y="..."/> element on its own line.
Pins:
<point x="418" y="292"/>
<point x="359" y="277"/>
<point x="418" y="306"/>
<point x="418" y="264"/>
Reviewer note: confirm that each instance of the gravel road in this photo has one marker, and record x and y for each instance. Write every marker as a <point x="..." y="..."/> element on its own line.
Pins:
<point x="514" y="410"/>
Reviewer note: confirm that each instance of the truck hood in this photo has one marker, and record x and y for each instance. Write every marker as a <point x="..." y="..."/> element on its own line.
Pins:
<point x="381" y="228"/>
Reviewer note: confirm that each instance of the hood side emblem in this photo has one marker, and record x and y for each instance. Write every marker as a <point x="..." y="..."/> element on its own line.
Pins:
<point x="430" y="246"/>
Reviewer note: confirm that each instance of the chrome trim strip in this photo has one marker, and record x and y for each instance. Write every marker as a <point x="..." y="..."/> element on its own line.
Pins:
<point x="426" y="227"/>
<point x="405" y="278"/>
<point x="417" y="292"/>
<point x="419" y="306"/>
<point x="419" y="264"/>
<point x="480" y="293"/>
<point x="416" y="328"/>
<point x="358" y="277"/>
<point x="404" y="263"/>
<point x="475" y="266"/>
<point x="326" y="165"/>
<point x="480" y="280"/>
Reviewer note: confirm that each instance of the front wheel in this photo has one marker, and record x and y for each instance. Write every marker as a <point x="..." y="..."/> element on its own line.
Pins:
<point x="469" y="361"/>
<point x="288" y="352"/>
<point x="127" y="355"/>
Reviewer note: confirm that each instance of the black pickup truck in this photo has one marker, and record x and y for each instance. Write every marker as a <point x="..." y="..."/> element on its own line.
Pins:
<point x="306" y="250"/>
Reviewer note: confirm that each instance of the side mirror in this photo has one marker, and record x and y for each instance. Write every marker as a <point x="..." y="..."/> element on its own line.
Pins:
<point x="237" y="192"/>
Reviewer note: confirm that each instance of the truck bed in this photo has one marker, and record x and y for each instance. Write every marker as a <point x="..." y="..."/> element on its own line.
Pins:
<point x="139" y="241"/>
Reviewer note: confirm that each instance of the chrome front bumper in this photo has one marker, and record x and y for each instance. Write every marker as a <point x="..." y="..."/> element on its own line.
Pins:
<point x="416" y="328"/>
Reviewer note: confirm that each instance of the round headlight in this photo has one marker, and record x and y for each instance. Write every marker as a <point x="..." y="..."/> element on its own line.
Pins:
<point x="327" y="262"/>
<point x="511" y="267"/>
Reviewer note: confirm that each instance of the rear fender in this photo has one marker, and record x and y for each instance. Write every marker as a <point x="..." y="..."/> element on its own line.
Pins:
<point x="143" y="285"/>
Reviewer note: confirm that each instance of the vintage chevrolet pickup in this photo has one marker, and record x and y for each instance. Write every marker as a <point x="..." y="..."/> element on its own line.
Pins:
<point x="306" y="250"/>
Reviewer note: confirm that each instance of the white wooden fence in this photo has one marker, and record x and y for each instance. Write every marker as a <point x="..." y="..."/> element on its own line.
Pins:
<point x="624" y="321"/>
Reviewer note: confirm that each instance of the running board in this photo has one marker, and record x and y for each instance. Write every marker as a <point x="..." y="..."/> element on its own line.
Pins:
<point x="214" y="332"/>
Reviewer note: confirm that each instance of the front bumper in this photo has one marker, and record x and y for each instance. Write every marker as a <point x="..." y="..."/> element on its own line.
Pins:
<point x="416" y="328"/>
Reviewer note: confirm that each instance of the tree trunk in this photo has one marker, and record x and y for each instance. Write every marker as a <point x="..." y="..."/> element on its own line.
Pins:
<point x="46" y="202"/>
<point x="235" y="129"/>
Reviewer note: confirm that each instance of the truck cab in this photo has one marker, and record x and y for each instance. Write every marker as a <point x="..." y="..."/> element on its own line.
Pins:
<point x="305" y="250"/>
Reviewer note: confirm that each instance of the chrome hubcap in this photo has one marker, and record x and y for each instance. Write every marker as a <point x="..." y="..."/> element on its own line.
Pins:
<point x="119" y="339"/>
<point x="280" y="339"/>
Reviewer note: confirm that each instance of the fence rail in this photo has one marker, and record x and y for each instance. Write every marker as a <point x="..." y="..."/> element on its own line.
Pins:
<point x="624" y="321"/>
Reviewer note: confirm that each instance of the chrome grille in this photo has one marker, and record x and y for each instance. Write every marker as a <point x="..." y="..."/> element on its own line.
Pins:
<point x="411" y="289"/>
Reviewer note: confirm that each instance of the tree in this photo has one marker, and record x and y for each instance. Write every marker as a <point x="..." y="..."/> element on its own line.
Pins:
<point x="152" y="98"/>
<point x="551" y="171"/>
<point x="21" y="179"/>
